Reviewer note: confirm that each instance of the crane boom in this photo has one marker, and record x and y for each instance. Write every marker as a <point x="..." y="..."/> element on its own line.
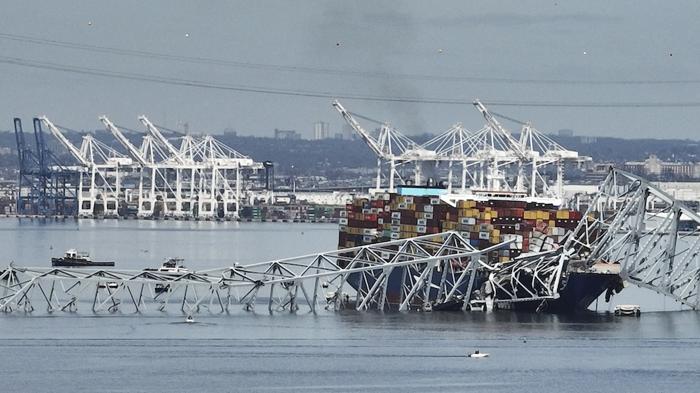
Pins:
<point x="74" y="151"/>
<point x="369" y="140"/>
<point x="124" y="141"/>
<point x="493" y="123"/>
<point x="160" y="138"/>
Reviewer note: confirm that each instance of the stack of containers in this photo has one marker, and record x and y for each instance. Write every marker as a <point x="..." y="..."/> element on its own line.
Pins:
<point x="530" y="227"/>
<point x="360" y="222"/>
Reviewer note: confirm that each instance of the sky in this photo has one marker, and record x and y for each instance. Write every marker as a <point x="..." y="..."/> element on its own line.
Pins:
<point x="586" y="55"/>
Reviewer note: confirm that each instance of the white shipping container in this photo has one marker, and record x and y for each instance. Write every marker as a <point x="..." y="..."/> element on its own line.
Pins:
<point x="395" y="235"/>
<point x="428" y="208"/>
<point x="408" y="199"/>
<point x="343" y="221"/>
<point x="421" y="221"/>
<point x="467" y="221"/>
<point x="428" y="216"/>
<point x="396" y="215"/>
<point x="380" y="221"/>
<point x="484" y="235"/>
<point x="420" y="229"/>
<point x="434" y="201"/>
<point x="343" y="213"/>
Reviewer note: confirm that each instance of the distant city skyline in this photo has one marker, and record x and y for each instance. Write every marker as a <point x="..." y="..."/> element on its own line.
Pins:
<point x="76" y="63"/>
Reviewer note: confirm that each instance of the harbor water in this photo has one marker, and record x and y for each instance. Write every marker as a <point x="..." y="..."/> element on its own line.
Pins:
<point x="340" y="352"/>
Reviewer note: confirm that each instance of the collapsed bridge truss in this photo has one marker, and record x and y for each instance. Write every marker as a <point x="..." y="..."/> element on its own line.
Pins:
<point x="652" y="237"/>
<point x="288" y="284"/>
<point x="631" y="227"/>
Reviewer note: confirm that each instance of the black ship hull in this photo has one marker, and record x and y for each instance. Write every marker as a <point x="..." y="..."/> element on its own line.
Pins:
<point x="577" y="294"/>
<point x="69" y="262"/>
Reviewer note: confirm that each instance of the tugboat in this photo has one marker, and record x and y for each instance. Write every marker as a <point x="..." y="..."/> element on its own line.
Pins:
<point x="74" y="258"/>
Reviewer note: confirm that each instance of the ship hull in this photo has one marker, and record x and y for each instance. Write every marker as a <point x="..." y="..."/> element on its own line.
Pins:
<point x="579" y="292"/>
<point x="68" y="262"/>
<point x="396" y="279"/>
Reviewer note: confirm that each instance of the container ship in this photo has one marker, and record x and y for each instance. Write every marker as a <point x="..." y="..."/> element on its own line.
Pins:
<point x="531" y="226"/>
<point x="506" y="195"/>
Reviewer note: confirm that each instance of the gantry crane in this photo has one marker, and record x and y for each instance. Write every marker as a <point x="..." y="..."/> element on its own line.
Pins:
<point x="103" y="168"/>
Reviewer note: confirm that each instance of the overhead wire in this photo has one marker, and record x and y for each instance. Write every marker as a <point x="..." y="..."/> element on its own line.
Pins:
<point x="327" y="70"/>
<point x="81" y="70"/>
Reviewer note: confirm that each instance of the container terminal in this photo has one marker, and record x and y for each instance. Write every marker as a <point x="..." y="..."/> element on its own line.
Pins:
<point x="503" y="238"/>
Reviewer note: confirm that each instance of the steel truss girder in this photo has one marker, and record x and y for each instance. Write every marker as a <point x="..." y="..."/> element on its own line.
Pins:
<point x="306" y="281"/>
<point x="654" y="238"/>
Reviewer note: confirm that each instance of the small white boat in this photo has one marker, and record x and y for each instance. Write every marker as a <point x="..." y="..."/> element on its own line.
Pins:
<point x="170" y="266"/>
<point x="628" y="310"/>
<point x="478" y="355"/>
<point x="189" y="319"/>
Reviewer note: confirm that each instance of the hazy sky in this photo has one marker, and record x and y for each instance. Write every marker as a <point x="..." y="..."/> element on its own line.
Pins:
<point x="494" y="50"/>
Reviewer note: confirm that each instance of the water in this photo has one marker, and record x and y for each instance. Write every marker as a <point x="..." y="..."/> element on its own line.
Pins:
<point x="138" y="244"/>
<point x="338" y="352"/>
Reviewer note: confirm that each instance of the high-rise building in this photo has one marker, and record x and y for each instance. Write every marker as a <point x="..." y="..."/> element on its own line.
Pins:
<point x="321" y="130"/>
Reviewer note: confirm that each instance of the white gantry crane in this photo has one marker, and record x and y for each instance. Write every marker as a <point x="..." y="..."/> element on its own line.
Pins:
<point x="207" y="175"/>
<point x="392" y="147"/>
<point x="543" y="151"/>
<point x="154" y="184"/>
<point x="200" y="178"/>
<point x="533" y="149"/>
<point x="492" y="160"/>
<point x="99" y="191"/>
